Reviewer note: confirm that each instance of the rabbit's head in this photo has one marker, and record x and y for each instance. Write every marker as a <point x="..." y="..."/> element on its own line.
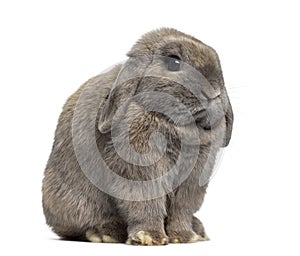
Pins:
<point x="175" y="75"/>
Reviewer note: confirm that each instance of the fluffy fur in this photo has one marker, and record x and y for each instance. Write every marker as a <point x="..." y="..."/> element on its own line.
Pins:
<point x="76" y="209"/>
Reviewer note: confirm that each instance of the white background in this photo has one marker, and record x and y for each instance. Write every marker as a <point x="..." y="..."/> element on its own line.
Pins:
<point x="49" y="48"/>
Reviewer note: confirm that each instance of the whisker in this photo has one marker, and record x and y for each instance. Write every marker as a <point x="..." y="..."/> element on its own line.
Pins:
<point x="238" y="86"/>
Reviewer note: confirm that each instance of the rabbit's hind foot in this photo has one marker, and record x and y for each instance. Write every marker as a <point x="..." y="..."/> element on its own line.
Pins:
<point x="95" y="237"/>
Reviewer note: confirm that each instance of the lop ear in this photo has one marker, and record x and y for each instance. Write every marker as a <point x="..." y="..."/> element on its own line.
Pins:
<point x="107" y="114"/>
<point x="229" y="124"/>
<point x="117" y="98"/>
<point x="123" y="88"/>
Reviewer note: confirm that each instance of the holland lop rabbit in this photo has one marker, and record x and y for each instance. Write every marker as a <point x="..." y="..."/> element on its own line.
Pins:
<point x="135" y="146"/>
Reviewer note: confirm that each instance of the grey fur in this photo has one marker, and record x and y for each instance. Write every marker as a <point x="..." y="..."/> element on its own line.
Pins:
<point x="76" y="208"/>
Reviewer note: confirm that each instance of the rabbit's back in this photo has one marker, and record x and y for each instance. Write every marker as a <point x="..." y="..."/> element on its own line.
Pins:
<point x="70" y="201"/>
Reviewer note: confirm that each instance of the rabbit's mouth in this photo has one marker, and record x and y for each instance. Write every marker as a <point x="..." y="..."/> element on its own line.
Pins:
<point x="199" y="113"/>
<point x="211" y="117"/>
<point x="207" y="117"/>
<point x="189" y="117"/>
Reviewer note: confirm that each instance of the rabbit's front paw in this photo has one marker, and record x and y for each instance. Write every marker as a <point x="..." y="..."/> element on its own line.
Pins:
<point x="185" y="236"/>
<point x="150" y="237"/>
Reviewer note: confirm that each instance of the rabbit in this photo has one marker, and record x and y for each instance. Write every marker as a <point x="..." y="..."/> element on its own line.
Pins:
<point x="82" y="206"/>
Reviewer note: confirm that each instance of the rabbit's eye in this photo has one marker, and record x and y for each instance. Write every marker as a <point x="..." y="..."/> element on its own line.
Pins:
<point x="173" y="63"/>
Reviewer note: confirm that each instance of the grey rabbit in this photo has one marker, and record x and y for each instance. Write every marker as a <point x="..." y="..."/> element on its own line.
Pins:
<point x="150" y="206"/>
